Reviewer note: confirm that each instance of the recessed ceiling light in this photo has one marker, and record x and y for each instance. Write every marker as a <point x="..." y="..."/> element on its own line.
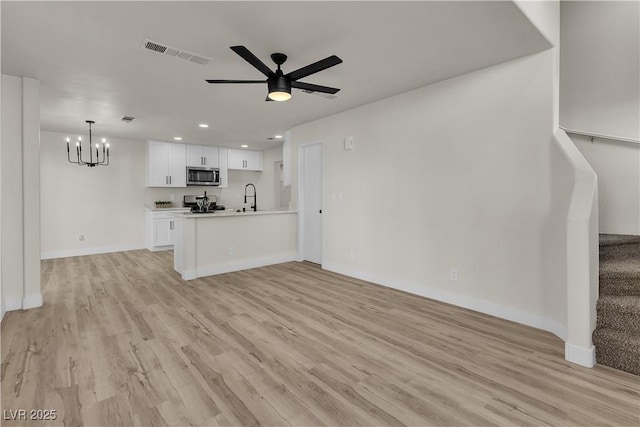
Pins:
<point x="177" y="138"/>
<point x="278" y="136"/>
<point x="203" y="125"/>
<point x="244" y="146"/>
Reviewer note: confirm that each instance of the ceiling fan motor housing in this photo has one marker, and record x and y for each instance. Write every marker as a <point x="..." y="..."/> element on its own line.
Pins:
<point x="279" y="83"/>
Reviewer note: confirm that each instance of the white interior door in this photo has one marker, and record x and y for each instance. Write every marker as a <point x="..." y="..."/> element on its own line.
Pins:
<point x="312" y="203"/>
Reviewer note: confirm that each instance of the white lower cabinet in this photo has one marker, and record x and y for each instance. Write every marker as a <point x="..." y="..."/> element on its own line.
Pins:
<point x="161" y="229"/>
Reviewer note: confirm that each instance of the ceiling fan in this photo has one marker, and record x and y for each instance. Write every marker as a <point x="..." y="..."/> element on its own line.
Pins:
<point x="280" y="84"/>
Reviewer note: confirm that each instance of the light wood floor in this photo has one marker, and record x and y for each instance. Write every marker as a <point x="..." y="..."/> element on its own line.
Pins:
<point x="122" y="340"/>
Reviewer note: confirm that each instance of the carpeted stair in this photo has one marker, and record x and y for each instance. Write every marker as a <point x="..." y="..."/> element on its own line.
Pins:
<point x="617" y="335"/>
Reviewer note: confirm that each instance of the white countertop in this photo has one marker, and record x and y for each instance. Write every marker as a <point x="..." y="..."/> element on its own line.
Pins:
<point x="172" y="209"/>
<point x="231" y="212"/>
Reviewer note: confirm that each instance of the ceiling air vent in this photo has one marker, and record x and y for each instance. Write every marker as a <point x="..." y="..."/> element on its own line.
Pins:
<point x="175" y="52"/>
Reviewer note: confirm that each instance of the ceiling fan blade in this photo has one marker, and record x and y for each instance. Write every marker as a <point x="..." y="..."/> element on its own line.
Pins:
<point x="314" y="88"/>
<point x="235" y="81"/>
<point x="323" y="64"/>
<point x="252" y="59"/>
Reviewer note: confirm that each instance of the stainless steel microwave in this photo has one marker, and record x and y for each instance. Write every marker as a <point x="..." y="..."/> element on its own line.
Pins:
<point x="203" y="176"/>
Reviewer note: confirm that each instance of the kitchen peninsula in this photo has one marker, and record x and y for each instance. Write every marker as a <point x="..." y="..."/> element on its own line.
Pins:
<point x="221" y="242"/>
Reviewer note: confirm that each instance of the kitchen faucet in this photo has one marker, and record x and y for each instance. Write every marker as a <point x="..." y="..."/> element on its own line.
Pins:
<point x="255" y="197"/>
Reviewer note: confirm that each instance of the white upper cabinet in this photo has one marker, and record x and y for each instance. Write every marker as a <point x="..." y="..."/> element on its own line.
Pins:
<point x="244" y="160"/>
<point x="166" y="164"/>
<point x="202" y="156"/>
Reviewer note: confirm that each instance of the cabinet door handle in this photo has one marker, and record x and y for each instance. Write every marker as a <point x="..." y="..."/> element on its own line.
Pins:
<point x="205" y="161"/>
<point x="166" y="179"/>
<point x="170" y="225"/>
<point x="169" y="179"/>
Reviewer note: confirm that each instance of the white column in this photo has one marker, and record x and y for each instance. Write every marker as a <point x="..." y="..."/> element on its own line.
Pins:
<point x="31" y="191"/>
<point x="20" y="210"/>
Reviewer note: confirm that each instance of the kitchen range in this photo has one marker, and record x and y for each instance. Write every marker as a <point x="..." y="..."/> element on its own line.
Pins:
<point x="202" y="204"/>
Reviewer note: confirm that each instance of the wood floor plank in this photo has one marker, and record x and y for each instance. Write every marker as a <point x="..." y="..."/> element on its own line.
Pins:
<point x="122" y="340"/>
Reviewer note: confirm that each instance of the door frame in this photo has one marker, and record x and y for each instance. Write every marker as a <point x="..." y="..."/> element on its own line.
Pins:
<point x="301" y="218"/>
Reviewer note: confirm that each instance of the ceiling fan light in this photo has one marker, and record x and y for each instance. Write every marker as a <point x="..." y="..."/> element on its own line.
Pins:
<point x="279" y="96"/>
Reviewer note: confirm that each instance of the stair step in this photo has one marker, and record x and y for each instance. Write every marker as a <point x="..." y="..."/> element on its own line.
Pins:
<point x="618" y="240"/>
<point x="617" y="349"/>
<point x="620" y="283"/>
<point x="619" y="312"/>
<point x="619" y="265"/>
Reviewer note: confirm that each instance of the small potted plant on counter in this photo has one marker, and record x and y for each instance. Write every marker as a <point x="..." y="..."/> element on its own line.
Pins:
<point x="163" y="204"/>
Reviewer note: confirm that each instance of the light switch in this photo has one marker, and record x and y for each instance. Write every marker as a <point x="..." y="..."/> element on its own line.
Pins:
<point x="348" y="143"/>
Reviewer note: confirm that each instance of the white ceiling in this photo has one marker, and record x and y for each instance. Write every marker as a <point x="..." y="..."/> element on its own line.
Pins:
<point x="88" y="59"/>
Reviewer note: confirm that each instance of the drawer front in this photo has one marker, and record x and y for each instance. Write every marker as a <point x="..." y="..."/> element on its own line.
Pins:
<point x="163" y="215"/>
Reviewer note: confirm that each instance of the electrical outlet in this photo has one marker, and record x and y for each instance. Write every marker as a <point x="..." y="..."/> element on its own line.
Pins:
<point x="81" y="238"/>
<point x="453" y="274"/>
<point x="232" y="250"/>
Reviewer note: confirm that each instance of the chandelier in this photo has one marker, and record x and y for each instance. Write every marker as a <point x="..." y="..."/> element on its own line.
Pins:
<point x="80" y="161"/>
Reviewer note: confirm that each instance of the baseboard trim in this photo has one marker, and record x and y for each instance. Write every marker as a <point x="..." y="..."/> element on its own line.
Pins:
<point x="580" y="355"/>
<point x="90" y="251"/>
<point x="160" y="248"/>
<point x="465" y="301"/>
<point x="13" y="304"/>
<point x="32" y="301"/>
<point x="244" y="264"/>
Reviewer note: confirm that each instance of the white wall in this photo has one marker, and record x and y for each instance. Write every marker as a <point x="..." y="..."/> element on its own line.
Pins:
<point x="103" y="204"/>
<point x="600" y="94"/>
<point x="20" y="193"/>
<point x="106" y="205"/>
<point x="460" y="174"/>
<point x="618" y="167"/>
<point x="599" y="67"/>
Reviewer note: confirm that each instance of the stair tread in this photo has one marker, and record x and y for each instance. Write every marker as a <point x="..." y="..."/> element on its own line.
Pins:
<point x="626" y="303"/>
<point x="618" y="335"/>
<point x="618" y="239"/>
<point x="619" y="265"/>
<point x="617" y="349"/>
